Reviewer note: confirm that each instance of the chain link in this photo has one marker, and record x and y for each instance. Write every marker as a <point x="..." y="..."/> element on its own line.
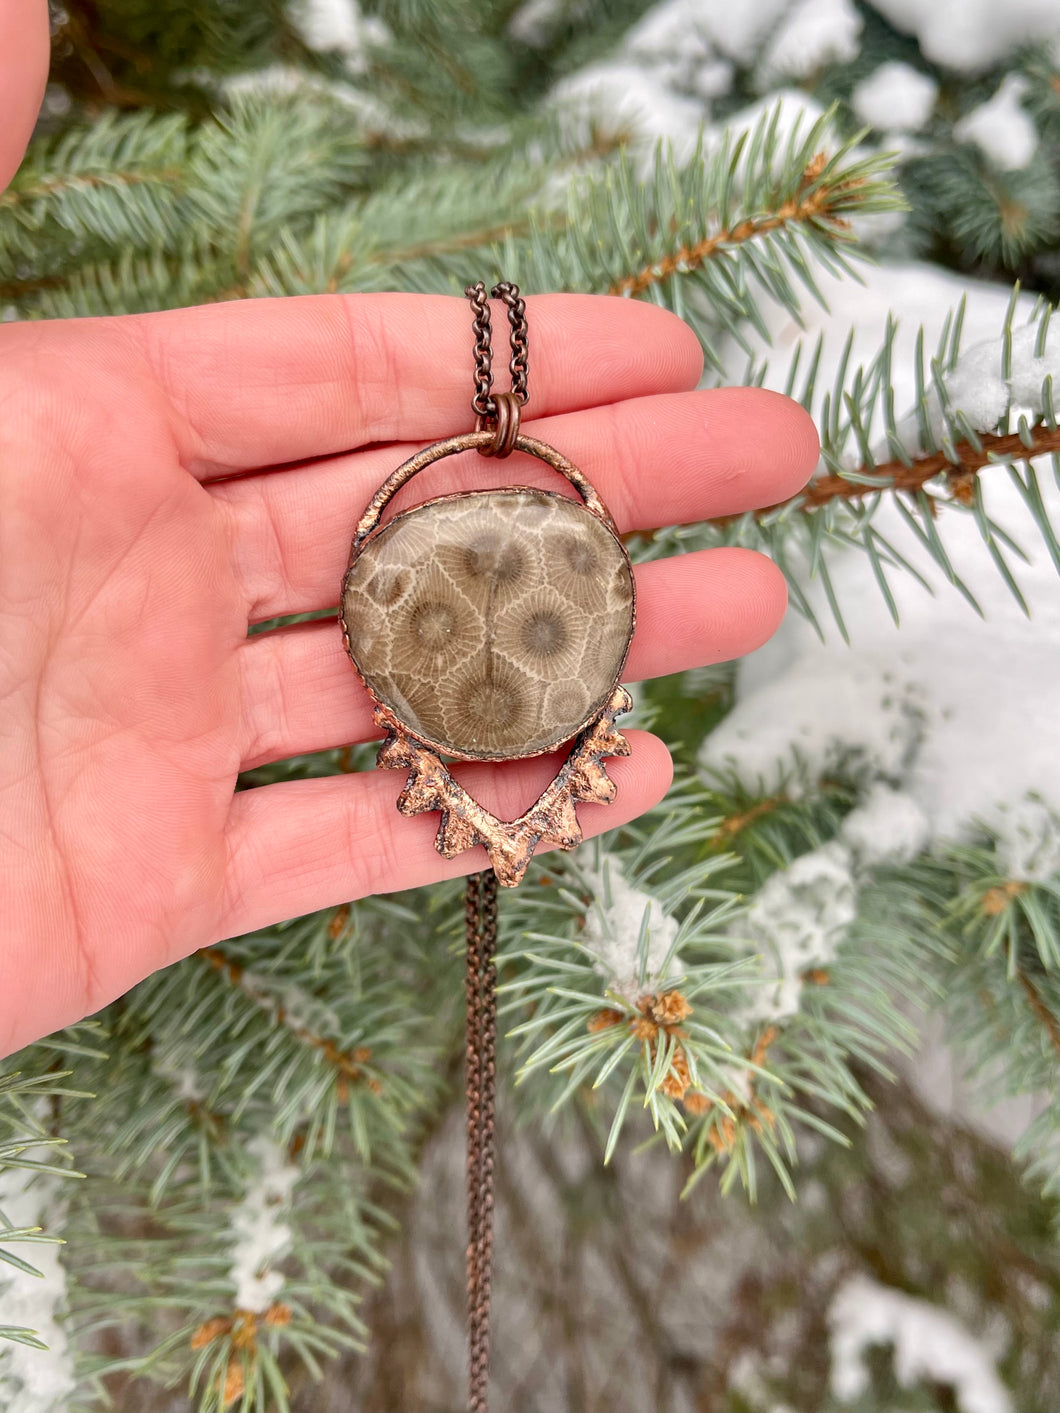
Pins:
<point x="480" y="986"/>
<point x="483" y="402"/>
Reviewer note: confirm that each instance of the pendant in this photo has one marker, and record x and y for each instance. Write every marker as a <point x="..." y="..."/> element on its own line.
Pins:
<point x="493" y="625"/>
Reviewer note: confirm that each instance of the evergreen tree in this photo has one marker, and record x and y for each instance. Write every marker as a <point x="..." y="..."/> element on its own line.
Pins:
<point x="730" y="974"/>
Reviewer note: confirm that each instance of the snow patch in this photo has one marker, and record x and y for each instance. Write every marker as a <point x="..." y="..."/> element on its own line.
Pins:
<point x="534" y="22"/>
<point x="674" y="27"/>
<point x="971" y="34"/>
<point x="34" y="1380"/>
<point x="337" y="26"/>
<point x="978" y="387"/>
<point x="929" y="1344"/>
<point x="175" y="1065"/>
<point x="812" y="34"/>
<point x="625" y="98"/>
<point x="672" y="42"/>
<point x="799" y="917"/>
<point x="1028" y="840"/>
<point x="1001" y="128"/>
<point x="613" y="927"/>
<point x="895" y="98"/>
<point x="859" y="720"/>
<point x="283" y="80"/>
<point x="260" y="1231"/>
<point x="738" y="30"/>
<point x="887" y="827"/>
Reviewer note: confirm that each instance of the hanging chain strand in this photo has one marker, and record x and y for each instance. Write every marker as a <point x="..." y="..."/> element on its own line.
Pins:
<point x="480" y="899"/>
<point x="483" y="402"/>
<point x="480" y="911"/>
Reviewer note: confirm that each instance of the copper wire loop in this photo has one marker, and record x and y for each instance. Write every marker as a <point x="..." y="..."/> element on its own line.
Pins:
<point x="505" y="429"/>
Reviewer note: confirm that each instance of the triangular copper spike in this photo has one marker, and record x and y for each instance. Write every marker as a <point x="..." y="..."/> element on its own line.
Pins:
<point x="590" y="781"/>
<point x="422" y="792"/>
<point x="511" y="857"/>
<point x="395" y="752"/>
<point x="455" y="834"/>
<point x="564" y="829"/>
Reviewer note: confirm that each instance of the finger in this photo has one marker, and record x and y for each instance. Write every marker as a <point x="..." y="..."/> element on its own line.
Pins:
<point x="25" y="45"/>
<point x="301" y="693"/>
<point x="267" y="381"/>
<point x="308" y="844"/>
<point x="655" y="460"/>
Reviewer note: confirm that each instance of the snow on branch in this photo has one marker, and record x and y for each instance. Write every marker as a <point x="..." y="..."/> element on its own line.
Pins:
<point x="630" y="933"/>
<point x="261" y="1234"/>
<point x="930" y="1345"/>
<point x="36" y="1367"/>
<point x="980" y="414"/>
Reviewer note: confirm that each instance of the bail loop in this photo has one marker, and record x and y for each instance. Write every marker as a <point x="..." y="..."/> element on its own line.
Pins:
<point x="506" y="427"/>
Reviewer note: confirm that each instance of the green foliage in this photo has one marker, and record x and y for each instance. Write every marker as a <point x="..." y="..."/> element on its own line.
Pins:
<point x="1004" y="998"/>
<point x="424" y="162"/>
<point x="719" y="1080"/>
<point x="757" y="211"/>
<point x="30" y="1108"/>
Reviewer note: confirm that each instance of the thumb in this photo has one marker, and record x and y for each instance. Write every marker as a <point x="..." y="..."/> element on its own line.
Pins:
<point x="25" y="44"/>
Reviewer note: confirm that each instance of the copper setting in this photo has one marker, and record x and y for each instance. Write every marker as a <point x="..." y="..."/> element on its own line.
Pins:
<point x="552" y="819"/>
<point x="474" y="441"/>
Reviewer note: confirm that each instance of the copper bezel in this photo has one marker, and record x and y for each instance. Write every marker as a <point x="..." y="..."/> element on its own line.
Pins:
<point x="369" y="529"/>
<point x="430" y="786"/>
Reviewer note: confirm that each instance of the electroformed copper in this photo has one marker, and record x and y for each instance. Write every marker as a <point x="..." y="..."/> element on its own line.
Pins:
<point x="492" y="625"/>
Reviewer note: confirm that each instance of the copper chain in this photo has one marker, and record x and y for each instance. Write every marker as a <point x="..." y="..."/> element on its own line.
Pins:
<point x="480" y="899"/>
<point x="483" y="402"/>
<point x="480" y="911"/>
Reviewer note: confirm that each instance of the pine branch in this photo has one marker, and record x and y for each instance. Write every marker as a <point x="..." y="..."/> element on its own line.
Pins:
<point x="749" y="210"/>
<point x="816" y="205"/>
<point x="872" y="458"/>
<point x="1040" y="1009"/>
<point x="349" y="1065"/>
<point x="958" y="466"/>
<point x="60" y="186"/>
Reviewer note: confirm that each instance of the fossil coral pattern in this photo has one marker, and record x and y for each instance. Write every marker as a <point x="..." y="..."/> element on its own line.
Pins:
<point x="493" y="624"/>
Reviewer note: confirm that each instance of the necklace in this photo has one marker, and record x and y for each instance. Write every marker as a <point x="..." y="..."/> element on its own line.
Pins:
<point x="491" y="625"/>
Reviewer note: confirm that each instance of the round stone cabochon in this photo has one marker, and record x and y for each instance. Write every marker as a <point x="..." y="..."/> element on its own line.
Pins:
<point x="492" y="624"/>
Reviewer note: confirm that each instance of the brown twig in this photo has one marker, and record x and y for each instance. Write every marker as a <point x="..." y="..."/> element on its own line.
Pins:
<point x="815" y="205"/>
<point x="736" y="823"/>
<point x="349" y="1064"/>
<point x="1040" y="1009"/>
<point x="897" y="476"/>
<point x="168" y="175"/>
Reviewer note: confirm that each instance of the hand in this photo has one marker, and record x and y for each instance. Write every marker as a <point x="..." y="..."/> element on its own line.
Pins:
<point x="167" y="480"/>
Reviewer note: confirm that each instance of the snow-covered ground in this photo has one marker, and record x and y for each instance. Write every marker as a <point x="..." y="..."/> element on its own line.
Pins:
<point x="663" y="80"/>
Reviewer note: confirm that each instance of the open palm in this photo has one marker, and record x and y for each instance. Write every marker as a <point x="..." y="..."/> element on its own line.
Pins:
<point x="168" y="480"/>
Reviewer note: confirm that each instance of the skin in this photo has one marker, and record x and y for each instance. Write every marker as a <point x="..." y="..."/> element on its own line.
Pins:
<point x="167" y="480"/>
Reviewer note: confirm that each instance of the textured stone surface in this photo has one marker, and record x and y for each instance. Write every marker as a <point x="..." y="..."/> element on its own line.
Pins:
<point x="493" y="624"/>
